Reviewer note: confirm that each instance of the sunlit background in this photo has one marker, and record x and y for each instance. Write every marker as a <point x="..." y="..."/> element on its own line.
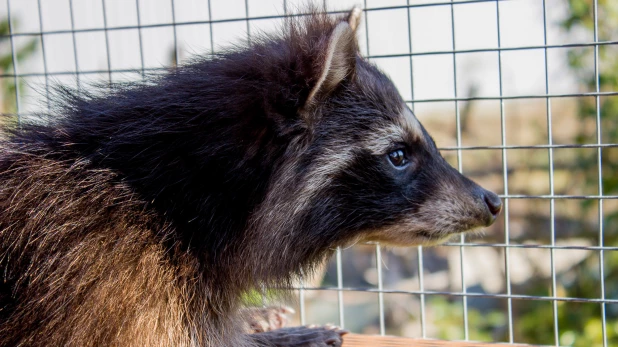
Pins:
<point x="516" y="93"/>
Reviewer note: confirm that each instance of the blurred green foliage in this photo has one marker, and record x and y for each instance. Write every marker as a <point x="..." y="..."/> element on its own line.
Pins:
<point x="579" y="324"/>
<point x="7" y="84"/>
<point x="449" y="316"/>
<point x="582" y="62"/>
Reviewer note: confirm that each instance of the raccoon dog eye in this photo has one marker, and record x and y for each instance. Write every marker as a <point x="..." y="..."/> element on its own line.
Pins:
<point x="398" y="158"/>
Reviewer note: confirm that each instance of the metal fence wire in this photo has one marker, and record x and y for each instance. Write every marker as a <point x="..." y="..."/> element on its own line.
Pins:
<point x="518" y="94"/>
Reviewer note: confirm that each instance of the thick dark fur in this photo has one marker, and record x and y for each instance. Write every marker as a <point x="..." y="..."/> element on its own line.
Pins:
<point x="140" y="215"/>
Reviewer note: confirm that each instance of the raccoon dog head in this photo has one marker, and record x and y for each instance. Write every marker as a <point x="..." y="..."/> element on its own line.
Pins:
<point x="363" y="168"/>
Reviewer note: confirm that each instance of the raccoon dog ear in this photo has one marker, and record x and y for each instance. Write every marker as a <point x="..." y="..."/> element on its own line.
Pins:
<point x="339" y="59"/>
<point x="354" y="18"/>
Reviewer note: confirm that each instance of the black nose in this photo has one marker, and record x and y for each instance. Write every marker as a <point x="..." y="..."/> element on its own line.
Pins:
<point x="493" y="203"/>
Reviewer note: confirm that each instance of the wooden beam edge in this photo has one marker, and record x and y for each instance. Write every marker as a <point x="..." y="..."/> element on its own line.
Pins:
<point x="359" y="340"/>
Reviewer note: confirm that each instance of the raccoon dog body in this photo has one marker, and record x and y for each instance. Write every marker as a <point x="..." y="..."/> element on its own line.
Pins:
<point x="140" y="216"/>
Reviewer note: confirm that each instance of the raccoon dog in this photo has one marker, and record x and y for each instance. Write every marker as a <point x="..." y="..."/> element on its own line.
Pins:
<point x="141" y="215"/>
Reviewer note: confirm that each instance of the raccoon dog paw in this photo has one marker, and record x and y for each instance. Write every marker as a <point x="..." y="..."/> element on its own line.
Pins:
<point x="263" y="319"/>
<point x="305" y="336"/>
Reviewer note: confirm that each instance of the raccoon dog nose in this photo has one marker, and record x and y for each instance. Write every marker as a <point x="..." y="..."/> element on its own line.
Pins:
<point x="493" y="203"/>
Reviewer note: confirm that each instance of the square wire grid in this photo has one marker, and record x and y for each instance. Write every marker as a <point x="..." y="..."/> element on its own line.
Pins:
<point x="459" y="149"/>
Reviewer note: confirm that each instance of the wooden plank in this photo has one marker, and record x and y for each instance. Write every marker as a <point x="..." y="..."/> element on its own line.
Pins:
<point x="358" y="340"/>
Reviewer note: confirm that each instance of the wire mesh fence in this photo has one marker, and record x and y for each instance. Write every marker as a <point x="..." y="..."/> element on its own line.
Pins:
<point x="520" y="95"/>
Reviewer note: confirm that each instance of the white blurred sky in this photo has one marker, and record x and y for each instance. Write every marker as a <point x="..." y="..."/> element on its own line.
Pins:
<point x="521" y="24"/>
